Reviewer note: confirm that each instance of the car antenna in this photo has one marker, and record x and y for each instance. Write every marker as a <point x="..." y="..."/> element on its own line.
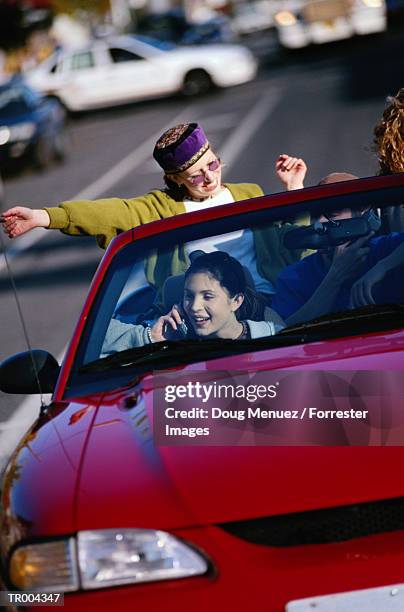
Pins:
<point x="21" y="316"/>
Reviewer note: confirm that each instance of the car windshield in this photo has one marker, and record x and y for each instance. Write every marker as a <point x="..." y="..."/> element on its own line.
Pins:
<point x="12" y="102"/>
<point x="254" y="280"/>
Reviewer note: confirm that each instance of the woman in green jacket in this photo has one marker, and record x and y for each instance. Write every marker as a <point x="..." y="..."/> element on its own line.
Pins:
<point x="192" y="173"/>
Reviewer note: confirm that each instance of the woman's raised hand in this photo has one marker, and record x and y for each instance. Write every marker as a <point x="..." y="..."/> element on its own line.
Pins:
<point x="291" y="171"/>
<point x="165" y="327"/>
<point x="20" y="219"/>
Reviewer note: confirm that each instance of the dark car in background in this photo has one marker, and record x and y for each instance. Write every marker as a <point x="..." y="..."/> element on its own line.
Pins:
<point x="173" y="26"/>
<point x="32" y="126"/>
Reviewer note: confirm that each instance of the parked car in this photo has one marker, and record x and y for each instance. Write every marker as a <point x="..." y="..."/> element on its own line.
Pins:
<point x="32" y="126"/>
<point x="301" y="22"/>
<point x="126" y="69"/>
<point x="282" y="514"/>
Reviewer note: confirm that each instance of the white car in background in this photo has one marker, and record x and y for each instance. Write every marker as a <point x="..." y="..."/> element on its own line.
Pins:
<point x="301" y="22"/>
<point x="126" y="68"/>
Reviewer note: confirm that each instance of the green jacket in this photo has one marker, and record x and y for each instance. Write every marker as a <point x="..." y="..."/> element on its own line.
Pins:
<point x="107" y="218"/>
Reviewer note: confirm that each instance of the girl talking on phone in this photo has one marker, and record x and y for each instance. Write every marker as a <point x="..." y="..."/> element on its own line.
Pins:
<point x="217" y="303"/>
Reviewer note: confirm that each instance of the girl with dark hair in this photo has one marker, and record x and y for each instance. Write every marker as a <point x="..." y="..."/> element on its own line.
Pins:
<point x="217" y="303"/>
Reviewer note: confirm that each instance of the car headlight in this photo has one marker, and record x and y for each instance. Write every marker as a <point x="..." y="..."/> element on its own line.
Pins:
<point x="134" y="555"/>
<point x="4" y="135"/>
<point x="105" y="558"/>
<point x="285" y="18"/>
<point x="22" y="131"/>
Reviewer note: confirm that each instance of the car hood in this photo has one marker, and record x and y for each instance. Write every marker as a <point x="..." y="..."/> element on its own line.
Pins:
<point x="132" y="482"/>
<point x="91" y="463"/>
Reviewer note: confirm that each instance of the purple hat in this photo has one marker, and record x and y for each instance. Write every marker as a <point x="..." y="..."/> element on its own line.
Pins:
<point x="180" y="147"/>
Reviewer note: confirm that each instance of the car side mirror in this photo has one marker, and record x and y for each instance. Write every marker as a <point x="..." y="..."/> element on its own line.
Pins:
<point x="17" y="373"/>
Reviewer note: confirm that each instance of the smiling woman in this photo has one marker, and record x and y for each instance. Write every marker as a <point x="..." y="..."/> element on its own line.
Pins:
<point x="193" y="177"/>
<point x="189" y="163"/>
<point x="217" y="303"/>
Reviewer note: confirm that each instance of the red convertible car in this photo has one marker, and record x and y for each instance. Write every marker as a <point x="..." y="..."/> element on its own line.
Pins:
<point x="140" y="487"/>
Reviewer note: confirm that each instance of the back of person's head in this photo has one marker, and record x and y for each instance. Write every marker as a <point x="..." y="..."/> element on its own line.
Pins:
<point x="389" y="136"/>
<point x="232" y="277"/>
<point x="337" y="177"/>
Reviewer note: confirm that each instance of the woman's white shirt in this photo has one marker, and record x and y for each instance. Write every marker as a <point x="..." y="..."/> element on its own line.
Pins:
<point x="239" y="244"/>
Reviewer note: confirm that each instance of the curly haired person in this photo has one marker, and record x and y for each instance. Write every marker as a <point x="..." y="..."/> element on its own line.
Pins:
<point x="389" y="136"/>
<point x="389" y="145"/>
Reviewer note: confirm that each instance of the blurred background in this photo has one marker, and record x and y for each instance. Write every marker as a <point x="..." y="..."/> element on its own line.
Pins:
<point x="87" y="87"/>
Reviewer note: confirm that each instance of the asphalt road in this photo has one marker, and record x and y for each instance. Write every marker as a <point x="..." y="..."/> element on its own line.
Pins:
<point x="320" y="104"/>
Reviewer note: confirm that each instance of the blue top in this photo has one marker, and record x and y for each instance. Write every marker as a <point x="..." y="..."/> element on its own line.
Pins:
<point x="297" y="283"/>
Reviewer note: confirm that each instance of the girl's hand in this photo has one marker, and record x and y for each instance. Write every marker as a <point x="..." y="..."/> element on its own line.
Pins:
<point x="291" y="171"/>
<point x="20" y="220"/>
<point x="165" y="327"/>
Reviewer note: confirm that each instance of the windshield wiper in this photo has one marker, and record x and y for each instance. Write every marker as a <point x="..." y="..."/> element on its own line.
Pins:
<point x="185" y="351"/>
<point x="366" y="318"/>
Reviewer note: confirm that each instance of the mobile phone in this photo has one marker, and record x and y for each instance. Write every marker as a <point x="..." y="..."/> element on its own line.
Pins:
<point x="182" y="329"/>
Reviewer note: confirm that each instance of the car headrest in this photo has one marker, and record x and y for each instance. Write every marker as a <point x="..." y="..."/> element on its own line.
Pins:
<point x="173" y="291"/>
